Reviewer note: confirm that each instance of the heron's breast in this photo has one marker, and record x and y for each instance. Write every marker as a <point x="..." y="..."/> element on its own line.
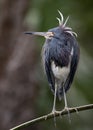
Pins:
<point x="60" y="73"/>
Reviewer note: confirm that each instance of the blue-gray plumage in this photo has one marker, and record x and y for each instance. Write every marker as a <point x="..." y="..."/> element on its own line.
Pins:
<point x="58" y="50"/>
<point x="60" y="55"/>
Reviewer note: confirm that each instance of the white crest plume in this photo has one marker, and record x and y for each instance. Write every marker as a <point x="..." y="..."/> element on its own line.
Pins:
<point x="63" y="24"/>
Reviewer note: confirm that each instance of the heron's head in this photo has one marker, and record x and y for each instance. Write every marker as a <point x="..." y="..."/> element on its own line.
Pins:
<point x="55" y="32"/>
<point x="59" y="35"/>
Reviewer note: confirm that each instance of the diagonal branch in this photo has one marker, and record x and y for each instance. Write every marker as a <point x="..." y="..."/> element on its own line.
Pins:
<point x="51" y="115"/>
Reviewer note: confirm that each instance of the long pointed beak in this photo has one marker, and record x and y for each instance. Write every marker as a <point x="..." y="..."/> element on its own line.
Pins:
<point x="44" y="34"/>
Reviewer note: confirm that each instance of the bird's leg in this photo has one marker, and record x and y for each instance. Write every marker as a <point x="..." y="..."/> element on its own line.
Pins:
<point x="65" y="100"/>
<point x="54" y="103"/>
<point x="66" y="107"/>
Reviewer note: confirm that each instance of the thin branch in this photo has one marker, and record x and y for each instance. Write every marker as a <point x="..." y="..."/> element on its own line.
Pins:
<point x="51" y="115"/>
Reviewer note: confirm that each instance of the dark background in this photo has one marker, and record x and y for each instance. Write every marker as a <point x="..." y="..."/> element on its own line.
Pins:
<point x="24" y="90"/>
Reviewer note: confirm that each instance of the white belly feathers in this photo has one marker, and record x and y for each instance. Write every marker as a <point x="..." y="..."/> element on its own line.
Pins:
<point x="60" y="73"/>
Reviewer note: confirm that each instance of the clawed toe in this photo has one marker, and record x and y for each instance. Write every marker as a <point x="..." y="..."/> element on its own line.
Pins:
<point x="67" y="109"/>
<point x="76" y="110"/>
<point x="54" y="112"/>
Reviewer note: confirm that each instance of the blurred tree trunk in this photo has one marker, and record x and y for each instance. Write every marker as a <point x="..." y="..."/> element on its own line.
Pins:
<point x="17" y="66"/>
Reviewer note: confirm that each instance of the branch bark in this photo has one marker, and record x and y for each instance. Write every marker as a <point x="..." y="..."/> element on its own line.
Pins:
<point x="51" y="115"/>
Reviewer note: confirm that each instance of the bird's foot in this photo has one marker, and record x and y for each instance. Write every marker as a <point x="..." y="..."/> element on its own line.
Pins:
<point x="54" y="112"/>
<point x="76" y="110"/>
<point x="67" y="109"/>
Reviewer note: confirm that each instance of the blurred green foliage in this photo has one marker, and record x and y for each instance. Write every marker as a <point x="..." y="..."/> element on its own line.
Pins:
<point x="42" y="16"/>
